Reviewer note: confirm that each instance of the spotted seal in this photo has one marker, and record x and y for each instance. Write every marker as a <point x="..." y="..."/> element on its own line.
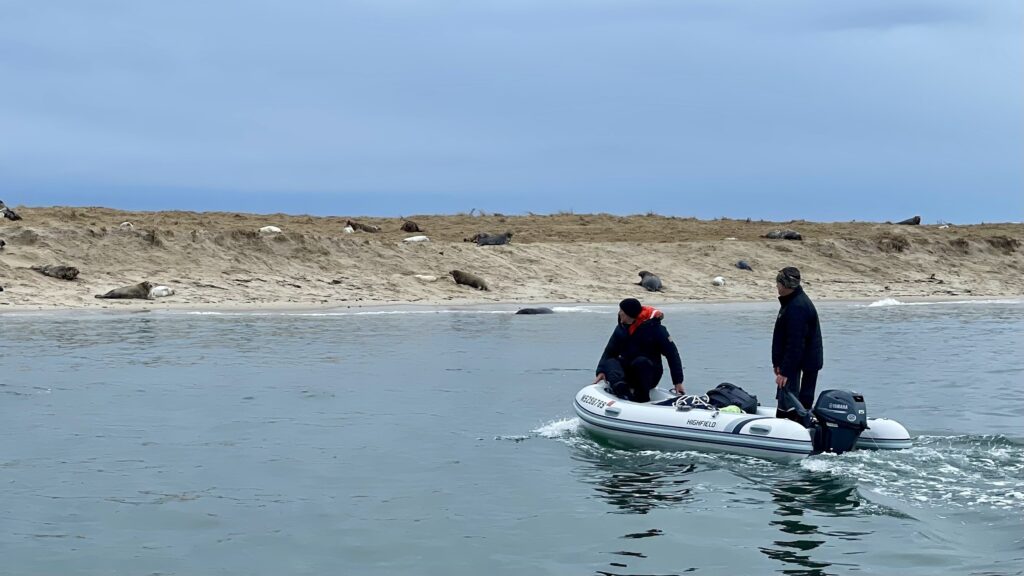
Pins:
<point x="54" y="271"/>
<point x="649" y="281"/>
<point x="140" y="290"/>
<point x="469" y="279"/>
<point x="362" y="227"/>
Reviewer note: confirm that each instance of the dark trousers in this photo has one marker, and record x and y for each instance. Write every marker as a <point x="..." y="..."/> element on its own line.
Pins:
<point x="802" y="386"/>
<point x="633" y="381"/>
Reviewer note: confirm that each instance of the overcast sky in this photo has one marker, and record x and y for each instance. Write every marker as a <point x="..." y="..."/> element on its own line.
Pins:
<point x="821" y="110"/>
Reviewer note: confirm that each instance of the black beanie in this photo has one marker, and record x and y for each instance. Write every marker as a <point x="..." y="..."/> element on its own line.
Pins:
<point x="631" y="306"/>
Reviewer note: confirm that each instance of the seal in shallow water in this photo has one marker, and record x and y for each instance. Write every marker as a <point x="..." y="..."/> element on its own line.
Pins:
<point x="649" y="281"/>
<point x="140" y="290"/>
<point x="535" y="311"/>
<point x="469" y="279"/>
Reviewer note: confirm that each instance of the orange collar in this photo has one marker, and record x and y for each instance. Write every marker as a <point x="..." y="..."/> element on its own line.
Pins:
<point x="646" y="313"/>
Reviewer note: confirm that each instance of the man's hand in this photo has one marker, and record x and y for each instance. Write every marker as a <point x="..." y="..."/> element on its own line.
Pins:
<point x="600" y="377"/>
<point x="780" y="380"/>
<point x="679" y="389"/>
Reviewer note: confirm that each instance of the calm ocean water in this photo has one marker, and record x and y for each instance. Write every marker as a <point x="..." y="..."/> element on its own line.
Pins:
<point x="443" y="442"/>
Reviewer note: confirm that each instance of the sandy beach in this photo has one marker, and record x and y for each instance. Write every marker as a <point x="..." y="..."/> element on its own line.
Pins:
<point x="221" y="260"/>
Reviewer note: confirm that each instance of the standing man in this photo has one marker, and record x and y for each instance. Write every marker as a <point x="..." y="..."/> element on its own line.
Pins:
<point x="797" y="353"/>
<point x="631" y="362"/>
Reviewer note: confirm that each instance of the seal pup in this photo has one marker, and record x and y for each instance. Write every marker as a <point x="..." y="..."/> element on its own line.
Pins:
<point x="469" y="279"/>
<point x="718" y="281"/>
<point x="161" y="291"/>
<point x="540" y="310"/>
<point x="420" y="238"/>
<point x="126" y="226"/>
<point x="140" y="290"/>
<point x="742" y="265"/>
<point x="348" y="229"/>
<point x="54" y="271"/>
<point x="362" y="227"/>
<point x="270" y="230"/>
<point x="494" y="239"/>
<point x="649" y="281"/>
<point x="410" y="226"/>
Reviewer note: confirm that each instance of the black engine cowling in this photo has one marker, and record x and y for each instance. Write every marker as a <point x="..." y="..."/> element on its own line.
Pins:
<point x="841" y="417"/>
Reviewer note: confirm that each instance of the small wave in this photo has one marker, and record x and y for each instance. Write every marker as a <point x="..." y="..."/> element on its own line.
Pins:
<point x="558" y="428"/>
<point x="894" y="302"/>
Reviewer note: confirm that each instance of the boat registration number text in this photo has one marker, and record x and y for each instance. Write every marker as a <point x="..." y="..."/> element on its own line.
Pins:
<point x="587" y="399"/>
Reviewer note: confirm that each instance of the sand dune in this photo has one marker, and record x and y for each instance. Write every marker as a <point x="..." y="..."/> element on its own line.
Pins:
<point x="222" y="260"/>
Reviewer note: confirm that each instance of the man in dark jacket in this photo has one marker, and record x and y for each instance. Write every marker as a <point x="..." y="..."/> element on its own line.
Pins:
<point x="631" y="362"/>
<point x="797" y="353"/>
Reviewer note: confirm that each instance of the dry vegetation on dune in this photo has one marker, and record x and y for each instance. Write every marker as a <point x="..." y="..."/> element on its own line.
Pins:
<point x="216" y="258"/>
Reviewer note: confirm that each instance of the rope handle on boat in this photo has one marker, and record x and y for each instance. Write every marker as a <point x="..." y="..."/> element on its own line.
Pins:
<point x="688" y="402"/>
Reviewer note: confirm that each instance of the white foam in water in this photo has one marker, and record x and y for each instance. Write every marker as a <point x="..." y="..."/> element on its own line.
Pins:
<point x="951" y="472"/>
<point x="894" y="302"/>
<point x="558" y="428"/>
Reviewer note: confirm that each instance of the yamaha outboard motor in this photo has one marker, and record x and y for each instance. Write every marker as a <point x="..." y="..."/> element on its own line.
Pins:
<point x="842" y="416"/>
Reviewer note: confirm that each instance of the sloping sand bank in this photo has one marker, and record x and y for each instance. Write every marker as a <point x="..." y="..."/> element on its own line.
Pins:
<point x="221" y="260"/>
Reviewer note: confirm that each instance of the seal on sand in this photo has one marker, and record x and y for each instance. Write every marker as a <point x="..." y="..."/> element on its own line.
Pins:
<point x="494" y="239"/>
<point x="649" y="281"/>
<point x="362" y="227"/>
<point x="140" y="290"/>
<point x="743" y="265"/>
<point x="2" y="244"/>
<point x="410" y="226"/>
<point x="161" y="291"/>
<point x="535" y="311"/>
<point x="62" y="272"/>
<point x="469" y="279"/>
<point x="911" y="221"/>
<point x="8" y="213"/>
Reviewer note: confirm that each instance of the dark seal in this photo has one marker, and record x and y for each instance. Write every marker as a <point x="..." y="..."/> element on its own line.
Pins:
<point x="61" y="272"/>
<point x="494" y="239"/>
<point x="911" y="221"/>
<point x="743" y="265"/>
<point x="410" y="226"/>
<point x="140" y="290"/>
<point x="784" y="235"/>
<point x="535" y="311"/>
<point x="468" y="279"/>
<point x="649" y="281"/>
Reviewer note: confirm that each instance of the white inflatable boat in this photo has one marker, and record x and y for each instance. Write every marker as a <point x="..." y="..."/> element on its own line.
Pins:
<point x="840" y="423"/>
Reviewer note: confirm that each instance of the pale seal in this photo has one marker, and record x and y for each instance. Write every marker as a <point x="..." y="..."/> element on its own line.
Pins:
<point x="540" y="310"/>
<point x="649" y="281"/>
<point x="61" y="272"/>
<point x="140" y="290"/>
<point x="718" y="281"/>
<point x="419" y="238"/>
<point x="126" y="226"/>
<point x="469" y="279"/>
<point x="270" y="230"/>
<point x="161" y="291"/>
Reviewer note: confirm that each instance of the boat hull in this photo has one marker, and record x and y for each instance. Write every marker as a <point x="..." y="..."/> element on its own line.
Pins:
<point x="643" y="425"/>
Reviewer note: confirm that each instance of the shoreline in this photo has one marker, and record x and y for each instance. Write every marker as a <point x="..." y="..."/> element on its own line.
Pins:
<point x="135" y="307"/>
<point x="221" y="261"/>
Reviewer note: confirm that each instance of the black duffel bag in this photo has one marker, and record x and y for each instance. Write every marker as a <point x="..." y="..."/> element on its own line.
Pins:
<point x="726" y="394"/>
